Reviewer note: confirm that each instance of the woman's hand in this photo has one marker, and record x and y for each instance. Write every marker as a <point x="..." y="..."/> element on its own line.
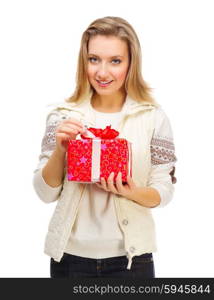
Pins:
<point x="67" y="129"/>
<point x="125" y="190"/>
<point x="145" y="196"/>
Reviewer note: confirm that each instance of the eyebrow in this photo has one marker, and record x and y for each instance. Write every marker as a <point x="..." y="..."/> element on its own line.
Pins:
<point x="91" y="54"/>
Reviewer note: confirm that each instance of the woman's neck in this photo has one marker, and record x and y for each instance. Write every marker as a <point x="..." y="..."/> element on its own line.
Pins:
<point x="108" y="103"/>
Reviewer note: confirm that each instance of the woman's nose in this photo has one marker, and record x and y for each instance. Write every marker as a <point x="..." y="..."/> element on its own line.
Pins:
<point x="102" y="70"/>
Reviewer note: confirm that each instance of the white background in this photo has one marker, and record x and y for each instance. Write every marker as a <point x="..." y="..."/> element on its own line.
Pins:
<point x="38" y="54"/>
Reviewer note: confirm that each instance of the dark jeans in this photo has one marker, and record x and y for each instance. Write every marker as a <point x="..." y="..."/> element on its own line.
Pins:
<point x="72" y="266"/>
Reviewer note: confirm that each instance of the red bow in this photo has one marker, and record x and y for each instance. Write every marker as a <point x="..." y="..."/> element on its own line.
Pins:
<point x="106" y="134"/>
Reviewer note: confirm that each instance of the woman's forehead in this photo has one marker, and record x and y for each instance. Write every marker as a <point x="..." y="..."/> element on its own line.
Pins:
<point x="108" y="46"/>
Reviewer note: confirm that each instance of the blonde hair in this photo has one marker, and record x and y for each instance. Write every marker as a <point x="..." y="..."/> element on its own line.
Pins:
<point x="135" y="85"/>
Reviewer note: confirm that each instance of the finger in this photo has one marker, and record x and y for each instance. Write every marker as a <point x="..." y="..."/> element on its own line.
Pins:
<point x="99" y="185"/>
<point x="119" y="183"/>
<point x="62" y="139"/>
<point x="103" y="184"/>
<point x="110" y="182"/>
<point x="73" y="126"/>
<point x="66" y="129"/>
<point x="69" y="129"/>
<point x="130" y="182"/>
<point x="62" y="136"/>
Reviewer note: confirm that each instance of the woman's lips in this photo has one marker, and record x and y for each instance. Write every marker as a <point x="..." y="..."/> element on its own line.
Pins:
<point x="104" y="83"/>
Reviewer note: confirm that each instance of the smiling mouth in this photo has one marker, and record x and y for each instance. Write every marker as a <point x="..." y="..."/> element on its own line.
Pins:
<point x="104" y="83"/>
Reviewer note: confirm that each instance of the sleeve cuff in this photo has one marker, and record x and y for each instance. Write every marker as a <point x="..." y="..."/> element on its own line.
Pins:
<point x="165" y="191"/>
<point x="45" y="192"/>
<point x="160" y="180"/>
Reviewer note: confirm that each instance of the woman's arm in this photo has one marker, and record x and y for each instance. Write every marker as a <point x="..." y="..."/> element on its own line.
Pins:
<point x="159" y="189"/>
<point x="53" y="171"/>
<point x="146" y="196"/>
<point x="46" y="185"/>
<point x="49" y="174"/>
<point x="163" y="159"/>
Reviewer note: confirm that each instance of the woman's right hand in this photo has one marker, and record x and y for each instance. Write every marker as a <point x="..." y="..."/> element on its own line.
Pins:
<point x="67" y="129"/>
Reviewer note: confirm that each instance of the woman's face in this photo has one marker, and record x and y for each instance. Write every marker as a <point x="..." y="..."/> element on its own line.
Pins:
<point x="108" y="63"/>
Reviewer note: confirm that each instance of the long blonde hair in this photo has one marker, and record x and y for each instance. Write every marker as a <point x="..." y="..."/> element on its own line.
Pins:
<point x="135" y="85"/>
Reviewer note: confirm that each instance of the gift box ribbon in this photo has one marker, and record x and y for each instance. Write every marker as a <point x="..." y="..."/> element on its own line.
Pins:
<point x="97" y="134"/>
<point x="105" y="134"/>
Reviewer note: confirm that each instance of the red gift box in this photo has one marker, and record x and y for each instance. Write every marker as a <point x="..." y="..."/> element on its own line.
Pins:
<point x="90" y="158"/>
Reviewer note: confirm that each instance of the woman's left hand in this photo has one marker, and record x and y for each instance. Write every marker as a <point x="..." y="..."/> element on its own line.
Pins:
<point x="125" y="190"/>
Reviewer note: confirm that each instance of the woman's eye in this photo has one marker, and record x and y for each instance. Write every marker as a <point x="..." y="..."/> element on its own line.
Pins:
<point x="92" y="59"/>
<point x="116" y="61"/>
<point x="95" y="60"/>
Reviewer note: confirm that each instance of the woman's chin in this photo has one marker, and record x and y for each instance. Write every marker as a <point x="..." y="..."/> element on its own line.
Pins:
<point x="104" y="92"/>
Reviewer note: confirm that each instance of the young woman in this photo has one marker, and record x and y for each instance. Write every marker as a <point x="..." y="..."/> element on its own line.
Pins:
<point x="106" y="229"/>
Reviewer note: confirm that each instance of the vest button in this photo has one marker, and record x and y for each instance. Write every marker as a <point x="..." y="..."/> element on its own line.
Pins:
<point x="132" y="249"/>
<point x="125" y="222"/>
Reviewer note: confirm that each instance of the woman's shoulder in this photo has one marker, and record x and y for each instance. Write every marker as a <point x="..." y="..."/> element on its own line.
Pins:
<point x="60" y="110"/>
<point x="161" y="115"/>
<point x="162" y="123"/>
<point x="61" y="106"/>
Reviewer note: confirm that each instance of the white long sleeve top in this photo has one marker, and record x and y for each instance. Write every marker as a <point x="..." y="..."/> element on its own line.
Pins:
<point x="96" y="232"/>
